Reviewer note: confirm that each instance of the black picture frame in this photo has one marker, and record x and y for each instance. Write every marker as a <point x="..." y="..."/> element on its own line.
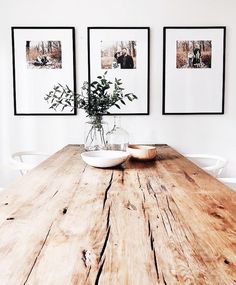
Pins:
<point x="26" y="73"/>
<point x="212" y="73"/>
<point x="109" y="34"/>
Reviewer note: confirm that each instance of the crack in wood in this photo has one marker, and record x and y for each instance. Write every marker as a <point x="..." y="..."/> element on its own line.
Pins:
<point x="149" y="188"/>
<point x="152" y="192"/>
<point x="64" y="210"/>
<point x="143" y="209"/>
<point x="182" y="250"/>
<point x="122" y="176"/>
<point x="54" y="194"/>
<point x="99" y="273"/>
<point x="10" y="219"/>
<point x="154" y="254"/>
<point x="190" y="179"/>
<point x="164" y="279"/>
<point x="37" y="256"/>
<point x="86" y="258"/>
<point x="149" y="228"/>
<point x="108" y="217"/>
<point x="155" y="196"/>
<point x="106" y="191"/>
<point x="141" y="188"/>
<point x="151" y="240"/>
<point x="168" y="205"/>
<point x="139" y="181"/>
<point x="220" y="206"/>
<point x="164" y="225"/>
<point x="156" y="266"/>
<point x="216" y="215"/>
<point x="87" y="276"/>
<point x="163" y="188"/>
<point x="168" y="220"/>
<point x="226" y="261"/>
<point x="84" y="168"/>
<point x="186" y="236"/>
<point x="105" y="244"/>
<point x="130" y="206"/>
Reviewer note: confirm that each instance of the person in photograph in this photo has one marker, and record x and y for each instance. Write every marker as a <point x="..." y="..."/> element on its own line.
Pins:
<point x="42" y="60"/>
<point x="126" y="60"/>
<point x="117" y="60"/>
<point x="190" y="58"/>
<point x="197" y="56"/>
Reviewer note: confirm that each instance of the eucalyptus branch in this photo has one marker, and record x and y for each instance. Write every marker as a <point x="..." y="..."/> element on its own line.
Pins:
<point x="96" y="98"/>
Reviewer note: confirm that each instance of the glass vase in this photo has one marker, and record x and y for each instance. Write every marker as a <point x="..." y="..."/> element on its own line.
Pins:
<point x="94" y="134"/>
<point x="117" y="138"/>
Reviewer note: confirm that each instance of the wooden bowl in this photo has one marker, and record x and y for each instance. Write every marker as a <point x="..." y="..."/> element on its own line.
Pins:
<point x="142" y="152"/>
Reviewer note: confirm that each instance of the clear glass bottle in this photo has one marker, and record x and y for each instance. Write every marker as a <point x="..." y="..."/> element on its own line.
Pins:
<point x="94" y="134"/>
<point x="117" y="138"/>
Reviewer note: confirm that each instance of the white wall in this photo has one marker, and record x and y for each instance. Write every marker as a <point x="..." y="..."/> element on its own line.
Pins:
<point x="211" y="134"/>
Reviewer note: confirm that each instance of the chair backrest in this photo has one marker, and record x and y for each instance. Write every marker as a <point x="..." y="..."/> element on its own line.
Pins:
<point x="26" y="160"/>
<point x="213" y="164"/>
<point x="229" y="181"/>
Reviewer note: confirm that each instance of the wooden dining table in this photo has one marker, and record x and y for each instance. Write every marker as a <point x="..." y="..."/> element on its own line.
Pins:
<point x="164" y="221"/>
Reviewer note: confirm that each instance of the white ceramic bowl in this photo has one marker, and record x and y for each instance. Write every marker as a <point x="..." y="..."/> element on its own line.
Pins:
<point x="104" y="158"/>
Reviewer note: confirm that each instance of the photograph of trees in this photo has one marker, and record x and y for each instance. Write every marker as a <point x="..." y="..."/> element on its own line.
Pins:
<point x="43" y="54"/>
<point x="118" y="54"/>
<point x="193" y="54"/>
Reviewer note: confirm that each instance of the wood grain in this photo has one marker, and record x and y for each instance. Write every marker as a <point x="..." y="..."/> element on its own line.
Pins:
<point x="159" y="222"/>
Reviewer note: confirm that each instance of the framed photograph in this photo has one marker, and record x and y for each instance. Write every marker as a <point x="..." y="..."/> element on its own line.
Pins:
<point x="193" y="70"/>
<point x="124" y="53"/>
<point x="42" y="58"/>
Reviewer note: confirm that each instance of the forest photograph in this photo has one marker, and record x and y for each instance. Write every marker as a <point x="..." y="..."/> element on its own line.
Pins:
<point x="193" y="54"/>
<point x="43" y="54"/>
<point x="118" y="54"/>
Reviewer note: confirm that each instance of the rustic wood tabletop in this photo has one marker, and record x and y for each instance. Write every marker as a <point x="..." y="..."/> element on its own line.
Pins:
<point x="160" y="222"/>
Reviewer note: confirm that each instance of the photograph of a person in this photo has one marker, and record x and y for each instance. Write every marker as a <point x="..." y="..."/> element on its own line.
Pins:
<point x="193" y="54"/>
<point x="43" y="54"/>
<point x="119" y="54"/>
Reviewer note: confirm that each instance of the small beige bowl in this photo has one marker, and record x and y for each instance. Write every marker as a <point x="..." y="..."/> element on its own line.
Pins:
<point x="142" y="152"/>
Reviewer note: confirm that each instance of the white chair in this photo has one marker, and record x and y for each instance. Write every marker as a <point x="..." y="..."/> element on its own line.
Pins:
<point x="229" y="181"/>
<point x="213" y="164"/>
<point x="26" y="160"/>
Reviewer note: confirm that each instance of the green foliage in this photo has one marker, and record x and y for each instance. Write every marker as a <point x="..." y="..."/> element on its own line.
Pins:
<point x="95" y="99"/>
